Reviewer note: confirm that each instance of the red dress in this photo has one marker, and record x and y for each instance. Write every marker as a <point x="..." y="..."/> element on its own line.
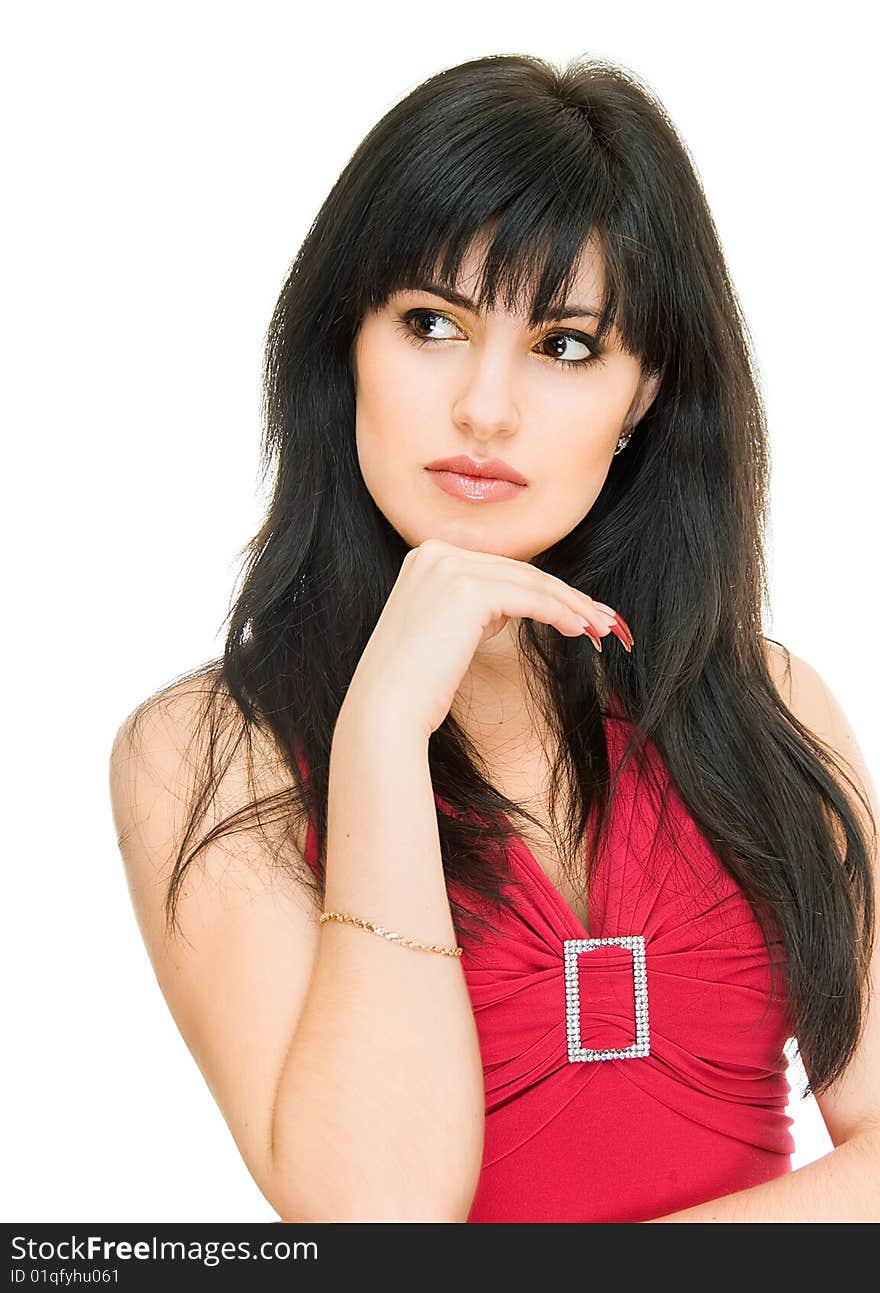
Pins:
<point x="696" y="1108"/>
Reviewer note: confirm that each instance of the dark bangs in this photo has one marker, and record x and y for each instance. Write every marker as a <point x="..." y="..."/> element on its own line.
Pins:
<point x="534" y="173"/>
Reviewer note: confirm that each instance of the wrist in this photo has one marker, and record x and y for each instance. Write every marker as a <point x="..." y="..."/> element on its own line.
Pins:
<point x="379" y="722"/>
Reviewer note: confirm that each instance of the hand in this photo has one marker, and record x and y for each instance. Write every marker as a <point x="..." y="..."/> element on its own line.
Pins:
<point x="445" y="603"/>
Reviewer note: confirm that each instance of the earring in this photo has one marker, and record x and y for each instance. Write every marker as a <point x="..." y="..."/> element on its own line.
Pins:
<point x="622" y="442"/>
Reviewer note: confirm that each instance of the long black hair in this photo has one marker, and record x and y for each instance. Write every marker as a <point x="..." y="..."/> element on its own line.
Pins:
<point x="548" y="159"/>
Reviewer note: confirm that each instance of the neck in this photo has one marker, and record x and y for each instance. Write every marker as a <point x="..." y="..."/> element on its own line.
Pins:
<point x="493" y="702"/>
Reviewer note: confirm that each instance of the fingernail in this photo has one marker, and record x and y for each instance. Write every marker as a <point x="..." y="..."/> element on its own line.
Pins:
<point x="594" y="637"/>
<point x="626" y="626"/>
<point x="616" y="615"/>
<point x="622" y="622"/>
<point x="620" y="635"/>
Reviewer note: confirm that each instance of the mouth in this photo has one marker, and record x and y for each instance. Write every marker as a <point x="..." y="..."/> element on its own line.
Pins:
<point x="478" y="469"/>
<point x="474" y="489"/>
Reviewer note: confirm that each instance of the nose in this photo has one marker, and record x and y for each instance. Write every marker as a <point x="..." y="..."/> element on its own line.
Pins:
<point x="485" y="406"/>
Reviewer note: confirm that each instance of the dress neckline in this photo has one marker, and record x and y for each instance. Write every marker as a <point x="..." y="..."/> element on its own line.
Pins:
<point x="538" y="871"/>
<point x="517" y="841"/>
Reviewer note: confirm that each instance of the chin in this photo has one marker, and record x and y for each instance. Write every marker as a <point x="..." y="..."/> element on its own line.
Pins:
<point x="482" y="538"/>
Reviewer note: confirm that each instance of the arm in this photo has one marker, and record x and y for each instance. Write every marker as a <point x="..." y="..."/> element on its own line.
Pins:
<point x="346" y="1067"/>
<point x="844" y="1184"/>
<point x="379" y="1112"/>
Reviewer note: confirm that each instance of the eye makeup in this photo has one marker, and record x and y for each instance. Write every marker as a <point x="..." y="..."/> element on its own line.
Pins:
<point x="408" y="318"/>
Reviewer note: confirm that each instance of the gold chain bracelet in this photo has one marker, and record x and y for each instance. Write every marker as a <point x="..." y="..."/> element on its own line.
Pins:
<point x="387" y="933"/>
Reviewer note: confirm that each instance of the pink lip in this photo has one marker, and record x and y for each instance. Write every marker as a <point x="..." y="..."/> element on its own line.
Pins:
<point x="477" y="489"/>
<point x="491" y="468"/>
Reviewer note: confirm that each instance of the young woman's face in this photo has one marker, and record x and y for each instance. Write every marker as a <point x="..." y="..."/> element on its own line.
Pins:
<point x="435" y="380"/>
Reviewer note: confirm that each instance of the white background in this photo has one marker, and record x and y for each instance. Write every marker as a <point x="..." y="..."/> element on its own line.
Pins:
<point x="163" y="163"/>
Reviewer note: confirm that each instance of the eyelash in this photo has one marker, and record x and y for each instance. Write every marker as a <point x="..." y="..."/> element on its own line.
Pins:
<point x="407" y="318"/>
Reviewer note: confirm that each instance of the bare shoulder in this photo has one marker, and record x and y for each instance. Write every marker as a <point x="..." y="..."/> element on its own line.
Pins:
<point x="236" y="976"/>
<point x="811" y="700"/>
<point x="797" y="682"/>
<point x="160" y="748"/>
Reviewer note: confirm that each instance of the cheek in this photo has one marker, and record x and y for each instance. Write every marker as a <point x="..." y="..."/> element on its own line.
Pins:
<point x="578" y="486"/>
<point x="583" y="444"/>
<point x="584" y="436"/>
<point x="389" y="432"/>
<point x="393" y="404"/>
<point x="588" y="416"/>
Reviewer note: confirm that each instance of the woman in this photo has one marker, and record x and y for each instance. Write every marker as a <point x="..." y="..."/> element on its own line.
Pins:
<point x="587" y="847"/>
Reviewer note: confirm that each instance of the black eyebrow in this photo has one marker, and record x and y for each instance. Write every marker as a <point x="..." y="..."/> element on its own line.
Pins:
<point x="465" y="303"/>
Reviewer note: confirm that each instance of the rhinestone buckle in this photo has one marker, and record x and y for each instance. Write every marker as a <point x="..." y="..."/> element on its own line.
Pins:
<point x="571" y="949"/>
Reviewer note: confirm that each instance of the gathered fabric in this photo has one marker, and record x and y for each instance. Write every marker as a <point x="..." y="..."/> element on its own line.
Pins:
<point x="704" y="1112"/>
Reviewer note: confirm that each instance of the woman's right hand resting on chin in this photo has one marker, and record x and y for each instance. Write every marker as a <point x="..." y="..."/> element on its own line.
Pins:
<point x="446" y="602"/>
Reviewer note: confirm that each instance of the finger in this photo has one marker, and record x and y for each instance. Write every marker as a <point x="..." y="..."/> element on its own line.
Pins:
<point x="602" y="618"/>
<point x="519" y="599"/>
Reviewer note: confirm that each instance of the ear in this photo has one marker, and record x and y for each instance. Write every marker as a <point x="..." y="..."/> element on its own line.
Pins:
<point x="645" y="397"/>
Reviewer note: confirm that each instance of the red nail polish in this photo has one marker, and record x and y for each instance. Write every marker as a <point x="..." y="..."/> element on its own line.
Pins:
<point x="594" y="637"/>
<point x="626" y="628"/>
<point x="621" y="636"/>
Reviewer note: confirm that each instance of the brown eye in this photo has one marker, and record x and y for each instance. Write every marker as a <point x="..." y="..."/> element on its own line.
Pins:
<point x="414" y="321"/>
<point x="559" y="341"/>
